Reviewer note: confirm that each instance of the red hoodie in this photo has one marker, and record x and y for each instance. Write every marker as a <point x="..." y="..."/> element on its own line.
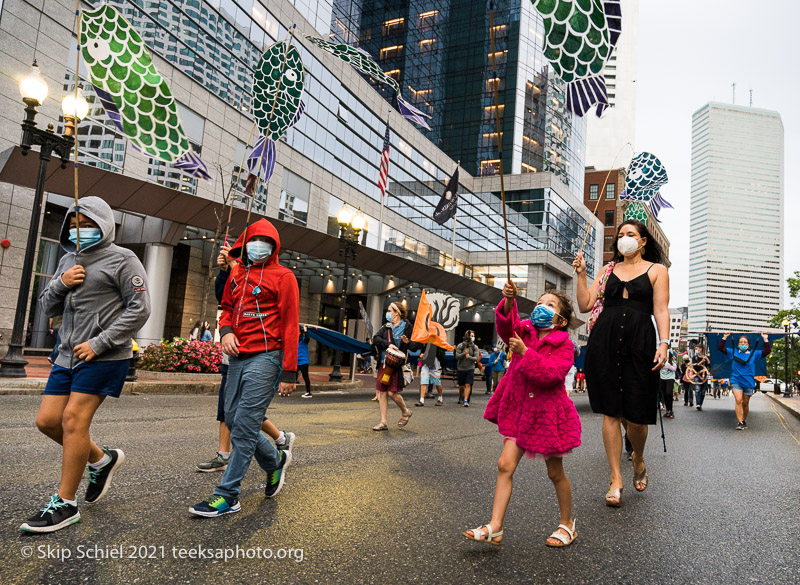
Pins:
<point x="260" y="303"/>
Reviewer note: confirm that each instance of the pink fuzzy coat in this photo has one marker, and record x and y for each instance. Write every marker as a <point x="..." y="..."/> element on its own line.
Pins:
<point x="531" y="404"/>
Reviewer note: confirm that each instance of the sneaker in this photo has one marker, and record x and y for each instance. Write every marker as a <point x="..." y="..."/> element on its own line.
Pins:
<point x="275" y="479"/>
<point x="439" y="402"/>
<point x="429" y="395"/>
<point x="699" y="408"/>
<point x="744" y="425"/>
<point x="307" y="395"/>
<point x="740" y="426"/>
<point x="418" y="403"/>
<point x="100" y="479"/>
<point x="466" y="403"/>
<point x="218" y="463"/>
<point x="288" y="444"/>
<point x="216" y="506"/>
<point x="57" y="514"/>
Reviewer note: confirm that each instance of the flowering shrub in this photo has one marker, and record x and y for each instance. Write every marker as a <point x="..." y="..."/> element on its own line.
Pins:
<point x="181" y="355"/>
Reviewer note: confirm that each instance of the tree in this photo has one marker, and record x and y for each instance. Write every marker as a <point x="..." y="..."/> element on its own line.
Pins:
<point x="775" y="361"/>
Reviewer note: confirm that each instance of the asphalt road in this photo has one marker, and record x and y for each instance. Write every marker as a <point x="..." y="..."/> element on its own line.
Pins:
<point x="367" y="507"/>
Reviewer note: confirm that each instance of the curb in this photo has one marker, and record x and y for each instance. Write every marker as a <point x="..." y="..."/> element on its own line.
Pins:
<point x="36" y="387"/>
<point x="788" y="407"/>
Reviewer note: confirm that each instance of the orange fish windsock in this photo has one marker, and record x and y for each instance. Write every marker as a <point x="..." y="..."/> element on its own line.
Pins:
<point x="426" y="330"/>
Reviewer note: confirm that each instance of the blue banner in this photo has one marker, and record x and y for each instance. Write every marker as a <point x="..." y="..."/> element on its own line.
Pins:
<point x="721" y="363"/>
<point x="339" y="341"/>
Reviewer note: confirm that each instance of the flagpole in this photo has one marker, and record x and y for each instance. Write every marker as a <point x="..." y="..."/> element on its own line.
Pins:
<point x="453" y="252"/>
<point x="383" y="197"/>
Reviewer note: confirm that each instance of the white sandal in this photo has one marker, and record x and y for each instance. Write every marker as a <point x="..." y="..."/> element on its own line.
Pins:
<point x="479" y="535"/>
<point x="565" y="541"/>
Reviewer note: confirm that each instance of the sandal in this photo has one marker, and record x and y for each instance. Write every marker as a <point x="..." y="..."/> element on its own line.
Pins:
<point x="640" y="479"/>
<point x="478" y="535"/>
<point x="404" y="419"/>
<point x="564" y="540"/>
<point x="381" y="427"/>
<point x="613" y="498"/>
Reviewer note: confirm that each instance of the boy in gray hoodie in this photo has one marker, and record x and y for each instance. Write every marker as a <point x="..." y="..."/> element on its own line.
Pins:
<point x="100" y="290"/>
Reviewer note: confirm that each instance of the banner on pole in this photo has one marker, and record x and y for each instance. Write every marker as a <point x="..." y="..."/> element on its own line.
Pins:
<point x="446" y="209"/>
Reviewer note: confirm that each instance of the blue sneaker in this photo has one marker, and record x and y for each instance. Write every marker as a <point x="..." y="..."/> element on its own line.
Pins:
<point x="216" y="506"/>
<point x="276" y="478"/>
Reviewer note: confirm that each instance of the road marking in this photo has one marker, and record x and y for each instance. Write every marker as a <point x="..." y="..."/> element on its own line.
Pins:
<point x="783" y="422"/>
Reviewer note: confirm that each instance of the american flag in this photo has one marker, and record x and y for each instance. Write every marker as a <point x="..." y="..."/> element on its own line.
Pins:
<point x="384" y="174"/>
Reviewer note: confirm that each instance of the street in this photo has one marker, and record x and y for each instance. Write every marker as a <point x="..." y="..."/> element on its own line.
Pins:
<point x="369" y="507"/>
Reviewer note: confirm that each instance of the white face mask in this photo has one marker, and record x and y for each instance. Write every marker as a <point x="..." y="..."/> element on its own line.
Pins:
<point x="627" y="245"/>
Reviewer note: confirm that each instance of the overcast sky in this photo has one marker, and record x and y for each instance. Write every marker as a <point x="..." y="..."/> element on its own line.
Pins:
<point x="690" y="52"/>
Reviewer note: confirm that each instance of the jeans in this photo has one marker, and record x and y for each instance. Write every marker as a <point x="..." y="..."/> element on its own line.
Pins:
<point x="699" y="393"/>
<point x="251" y="384"/>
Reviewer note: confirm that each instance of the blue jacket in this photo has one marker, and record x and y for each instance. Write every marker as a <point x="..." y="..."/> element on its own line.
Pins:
<point x="500" y="364"/>
<point x="302" y="350"/>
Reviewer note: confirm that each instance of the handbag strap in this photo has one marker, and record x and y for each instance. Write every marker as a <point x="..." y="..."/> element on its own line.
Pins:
<point x="601" y="289"/>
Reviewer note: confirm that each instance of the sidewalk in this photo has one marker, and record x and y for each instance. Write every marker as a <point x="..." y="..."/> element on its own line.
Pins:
<point x="38" y="369"/>
<point x="792" y="404"/>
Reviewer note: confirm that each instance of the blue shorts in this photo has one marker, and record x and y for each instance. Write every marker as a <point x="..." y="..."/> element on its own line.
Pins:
<point x="743" y="390"/>
<point x="100" y="378"/>
<point x="430" y="379"/>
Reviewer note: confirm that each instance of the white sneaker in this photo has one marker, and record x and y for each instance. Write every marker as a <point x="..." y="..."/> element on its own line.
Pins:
<point x="307" y="395"/>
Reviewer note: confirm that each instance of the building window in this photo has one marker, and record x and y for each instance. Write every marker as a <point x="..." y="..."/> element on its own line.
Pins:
<point x="611" y="191"/>
<point x="391" y="52"/>
<point x="593" y="191"/>
<point x="394" y="26"/>
<point x="294" y="198"/>
<point x="609" y="218"/>
<point x="548" y="286"/>
<point x="608" y="244"/>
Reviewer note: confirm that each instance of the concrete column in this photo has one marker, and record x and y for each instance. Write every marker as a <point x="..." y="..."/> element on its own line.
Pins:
<point x="376" y="312"/>
<point x="158" y="265"/>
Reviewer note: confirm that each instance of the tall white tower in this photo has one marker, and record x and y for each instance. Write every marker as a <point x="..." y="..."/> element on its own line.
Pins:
<point x="606" y="136"/>
<point x="736" y="254"/>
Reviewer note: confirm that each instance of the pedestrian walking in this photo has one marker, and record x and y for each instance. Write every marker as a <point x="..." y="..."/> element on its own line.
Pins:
<point x="686" y="383"/>
<point x="259" y="329"/>
<point x="495" y="368"/>
<point x="531" y="408"/>
<point x="303" y="360"/>
<point x="392" y="343"/>
<point x="580" y="378"/>
<point x="702" y="360"/>
<point x="743" y="372"/>
<point x="431" y="374"/>
<point x="101" y="291"/>
<point x="283" y="440"/>
<point x="667" y="384"/>
<point x="698" y="374"/>
<point x="467" y="356"/>
<point x="621" y="368"/>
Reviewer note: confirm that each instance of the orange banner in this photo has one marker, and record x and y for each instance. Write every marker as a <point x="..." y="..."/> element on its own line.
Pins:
<point x="426" y="330"/>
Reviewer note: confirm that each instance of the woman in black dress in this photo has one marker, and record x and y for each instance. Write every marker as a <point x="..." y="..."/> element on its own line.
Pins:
<point x="622" y="373"/>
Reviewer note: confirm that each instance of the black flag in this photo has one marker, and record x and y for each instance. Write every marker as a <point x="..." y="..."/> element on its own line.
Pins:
<point x="449" y="201"/>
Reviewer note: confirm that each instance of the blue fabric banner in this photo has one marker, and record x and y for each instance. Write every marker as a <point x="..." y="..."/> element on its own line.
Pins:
<point x="340" y="341"/>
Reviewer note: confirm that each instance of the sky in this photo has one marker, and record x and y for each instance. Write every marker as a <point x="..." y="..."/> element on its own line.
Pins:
<point x="690" y="52"/>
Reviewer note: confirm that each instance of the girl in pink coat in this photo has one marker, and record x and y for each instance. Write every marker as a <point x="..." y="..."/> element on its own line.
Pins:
<point x="531" y="407"/>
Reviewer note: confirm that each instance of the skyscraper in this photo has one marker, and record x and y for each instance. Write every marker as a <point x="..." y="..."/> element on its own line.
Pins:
<point x="607" y="136"/>
<point x="736" y="254"/>
<point x="440" y="52"/>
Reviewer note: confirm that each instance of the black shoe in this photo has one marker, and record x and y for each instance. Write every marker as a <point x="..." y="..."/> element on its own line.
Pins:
<point x="100" y="479"/>
<point x="740" y="426"/>
<point x="628" y="446"/>
<point x="744" y="425"/>
<point x="57" y="514"/>
<point x="699" y="408"/>
<point x="275" y="479"/>
<point x="418" y="403"/>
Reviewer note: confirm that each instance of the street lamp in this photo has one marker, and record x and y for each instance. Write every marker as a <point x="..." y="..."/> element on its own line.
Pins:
<point x="349" y="227"/>
<point x="34" y="91"/>
<point x="786" y="342"/>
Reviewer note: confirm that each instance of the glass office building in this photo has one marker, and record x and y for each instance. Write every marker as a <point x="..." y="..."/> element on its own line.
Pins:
<point x="737" y="219"/>
<point x="329" y="158"/>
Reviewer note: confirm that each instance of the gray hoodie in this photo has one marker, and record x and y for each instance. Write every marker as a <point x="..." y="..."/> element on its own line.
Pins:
<point x="110" y="305"/>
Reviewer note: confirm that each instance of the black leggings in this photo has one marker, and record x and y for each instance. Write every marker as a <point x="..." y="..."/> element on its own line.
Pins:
<point x="304" y="370"/>
<point x="665" y="387"/>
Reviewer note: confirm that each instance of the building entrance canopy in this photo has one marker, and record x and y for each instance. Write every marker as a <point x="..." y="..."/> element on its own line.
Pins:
<point x="146" y="198"/>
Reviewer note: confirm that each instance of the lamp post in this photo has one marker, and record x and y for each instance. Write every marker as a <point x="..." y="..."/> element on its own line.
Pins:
<point x="34" y="91"/>
<point x="786" y="341"/>
<point x="349" y="227"/>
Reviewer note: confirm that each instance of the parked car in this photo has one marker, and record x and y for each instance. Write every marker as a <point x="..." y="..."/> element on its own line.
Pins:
<point x="768" y="385"/>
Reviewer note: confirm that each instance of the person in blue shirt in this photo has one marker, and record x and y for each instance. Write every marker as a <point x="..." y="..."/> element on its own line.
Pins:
<point x="743" y="372"/>
<point x="302" y="358"/>
<point x="495" y="368"/>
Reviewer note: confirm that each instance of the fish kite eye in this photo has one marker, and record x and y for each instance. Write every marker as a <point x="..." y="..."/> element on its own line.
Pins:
<point x="291" y="75"/>
<point x="98" y="48"/>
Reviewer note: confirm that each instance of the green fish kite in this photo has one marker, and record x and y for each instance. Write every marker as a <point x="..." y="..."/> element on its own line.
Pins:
<point x="278" y="83"/>
<point x="580" y="36"/>
<point x="133" y="93"/>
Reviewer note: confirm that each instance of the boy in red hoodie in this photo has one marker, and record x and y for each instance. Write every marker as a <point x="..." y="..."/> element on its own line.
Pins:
<point x="259" y="329"/>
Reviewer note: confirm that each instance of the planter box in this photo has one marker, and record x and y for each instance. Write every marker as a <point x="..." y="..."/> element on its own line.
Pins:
<point x="178" y="376"/>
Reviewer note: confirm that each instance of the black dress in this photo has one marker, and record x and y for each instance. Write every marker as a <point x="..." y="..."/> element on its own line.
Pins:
<point x="619" y="354"/>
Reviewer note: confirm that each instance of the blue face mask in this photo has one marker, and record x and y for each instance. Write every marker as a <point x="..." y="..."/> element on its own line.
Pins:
<point x="542" y="317"/>
<point x="258" y="251"/>
<point x="89" y="236"/>
<point x="743" y="347"/>
<point x="388" y="316"/>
